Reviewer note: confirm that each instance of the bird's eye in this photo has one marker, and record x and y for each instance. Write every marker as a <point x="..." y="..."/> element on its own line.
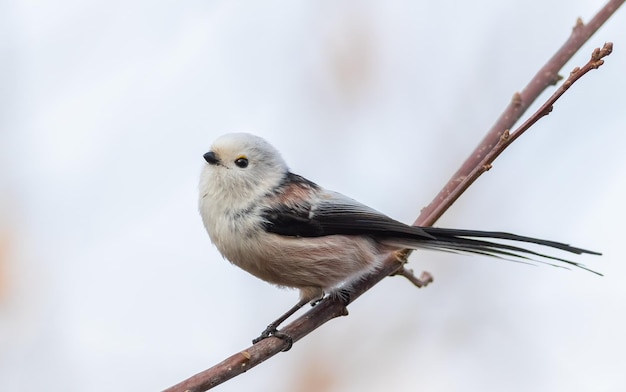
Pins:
<point x="242" y="162"/>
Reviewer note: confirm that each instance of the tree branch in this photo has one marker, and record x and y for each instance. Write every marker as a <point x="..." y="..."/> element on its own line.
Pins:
<point x="546" y="76"/>
<point x="479" y="161"/>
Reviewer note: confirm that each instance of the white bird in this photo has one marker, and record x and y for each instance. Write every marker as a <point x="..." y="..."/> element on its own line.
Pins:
<point x="291" y="232"/>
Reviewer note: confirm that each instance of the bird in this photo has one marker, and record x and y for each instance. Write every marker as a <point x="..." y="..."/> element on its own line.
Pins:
<point x="291" y="232"/>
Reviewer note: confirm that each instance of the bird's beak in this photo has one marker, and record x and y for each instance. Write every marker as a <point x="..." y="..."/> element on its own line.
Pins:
<point x="211" y="158"/>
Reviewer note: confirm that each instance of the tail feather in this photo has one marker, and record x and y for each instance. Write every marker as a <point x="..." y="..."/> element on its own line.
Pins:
<point x="466" y="241"/>
<point x="439" y="232"/>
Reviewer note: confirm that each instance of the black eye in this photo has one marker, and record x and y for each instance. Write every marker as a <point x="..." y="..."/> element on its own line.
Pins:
<point x="242" y="162"/>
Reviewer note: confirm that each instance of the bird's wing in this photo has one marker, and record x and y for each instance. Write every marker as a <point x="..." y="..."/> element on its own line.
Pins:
<point x="302" y="209"/>
<point x="331" y="213"/>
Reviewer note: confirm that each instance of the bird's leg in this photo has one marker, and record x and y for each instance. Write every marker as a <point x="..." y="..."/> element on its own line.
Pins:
<point x="272" y="331"/>
<point x="344" y="295"/>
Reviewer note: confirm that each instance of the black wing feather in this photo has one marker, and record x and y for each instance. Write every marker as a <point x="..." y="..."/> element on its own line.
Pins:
<point x="338" y="216"/>
<point x="293" y="214"/>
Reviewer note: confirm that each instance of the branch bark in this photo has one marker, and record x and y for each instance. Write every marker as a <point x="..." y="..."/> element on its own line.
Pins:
<point x="546" y="76"/>
<point x="479" y="161"/>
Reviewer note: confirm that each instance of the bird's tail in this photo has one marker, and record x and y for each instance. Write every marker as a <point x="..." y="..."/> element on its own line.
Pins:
<point x="480" y="242"/>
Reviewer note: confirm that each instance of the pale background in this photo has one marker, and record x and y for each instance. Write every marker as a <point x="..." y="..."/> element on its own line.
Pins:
<point x="108" y="281"/>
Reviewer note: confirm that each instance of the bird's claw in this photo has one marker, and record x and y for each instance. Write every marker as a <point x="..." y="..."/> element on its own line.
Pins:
<point x="272" y="331"/>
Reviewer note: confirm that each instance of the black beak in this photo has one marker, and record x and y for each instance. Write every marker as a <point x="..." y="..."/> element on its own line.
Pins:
<point x="211" y="158"/>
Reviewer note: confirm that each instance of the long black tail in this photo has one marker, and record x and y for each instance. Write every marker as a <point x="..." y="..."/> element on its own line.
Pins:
<point x="466" y="241"/>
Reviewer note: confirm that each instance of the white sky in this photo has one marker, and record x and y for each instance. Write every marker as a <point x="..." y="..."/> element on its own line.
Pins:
<point x="109" y="281"/>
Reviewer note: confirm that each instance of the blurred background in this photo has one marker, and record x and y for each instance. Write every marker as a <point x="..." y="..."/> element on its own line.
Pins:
<point x="108" y="280"/>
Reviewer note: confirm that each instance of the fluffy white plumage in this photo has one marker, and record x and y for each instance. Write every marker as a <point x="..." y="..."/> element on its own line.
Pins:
<point x="235" y="201"/>
<point x="291" y="232"/>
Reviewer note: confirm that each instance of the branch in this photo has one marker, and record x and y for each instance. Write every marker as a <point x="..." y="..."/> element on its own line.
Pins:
<point x="482" y="158"/>
<point x="546" y="76"/>
<point x="479" y="161"/>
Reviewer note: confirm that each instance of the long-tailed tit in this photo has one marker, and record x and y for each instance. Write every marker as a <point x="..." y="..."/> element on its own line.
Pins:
<point x="291" y="232"/>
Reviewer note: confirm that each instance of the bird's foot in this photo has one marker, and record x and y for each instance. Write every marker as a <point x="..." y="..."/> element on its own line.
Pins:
<point x="272" y="331"/>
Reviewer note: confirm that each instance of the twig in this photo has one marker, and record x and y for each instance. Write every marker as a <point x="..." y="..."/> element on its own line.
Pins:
<point x="546" y="76"/>
<point x="480" y="161"/>
<point x="506" y="138"/>
<point x="424" y="280"/>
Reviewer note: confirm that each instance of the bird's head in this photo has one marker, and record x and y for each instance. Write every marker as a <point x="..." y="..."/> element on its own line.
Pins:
<point x="241" y="167"/>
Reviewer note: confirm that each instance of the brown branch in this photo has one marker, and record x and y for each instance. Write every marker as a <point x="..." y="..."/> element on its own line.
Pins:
<point x="483" y="163"/>
<point x="546" y="76"/>
<point x="479" y="161"/>
<point x="424" y="280"/>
